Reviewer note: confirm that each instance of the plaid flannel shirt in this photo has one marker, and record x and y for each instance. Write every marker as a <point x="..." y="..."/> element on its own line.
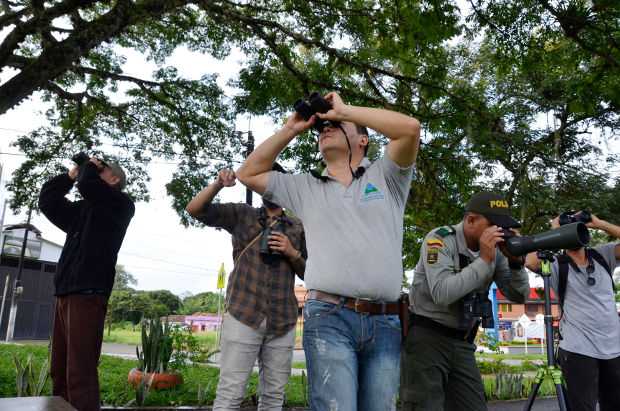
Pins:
<point x="257" y="289"/>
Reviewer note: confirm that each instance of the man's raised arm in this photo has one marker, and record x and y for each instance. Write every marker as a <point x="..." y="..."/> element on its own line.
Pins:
<point x="254" y="172"/>
<point x="402" y="131"/>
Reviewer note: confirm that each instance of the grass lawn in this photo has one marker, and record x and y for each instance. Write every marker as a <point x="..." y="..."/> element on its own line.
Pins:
<point x="131" y="337"/>
<point x="115" y="390"/>
<point x="524" y="357"/>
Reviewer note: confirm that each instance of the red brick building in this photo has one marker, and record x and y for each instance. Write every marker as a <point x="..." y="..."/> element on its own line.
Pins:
<point x="534" y="304"/>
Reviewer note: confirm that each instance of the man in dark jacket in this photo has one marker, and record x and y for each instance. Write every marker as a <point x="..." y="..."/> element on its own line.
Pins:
<point x="95" y="228"/>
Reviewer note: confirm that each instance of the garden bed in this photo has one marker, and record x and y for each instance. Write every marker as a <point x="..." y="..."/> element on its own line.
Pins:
<point x="198" y="391"/>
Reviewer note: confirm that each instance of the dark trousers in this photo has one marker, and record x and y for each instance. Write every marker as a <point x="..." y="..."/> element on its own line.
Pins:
<point x="589" y="379"/>
<point x="439" y="373"/>
<point x="76" y="346"/>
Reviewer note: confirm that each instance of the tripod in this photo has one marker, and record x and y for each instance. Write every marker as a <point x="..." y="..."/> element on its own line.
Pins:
<point x="550" y="370"/>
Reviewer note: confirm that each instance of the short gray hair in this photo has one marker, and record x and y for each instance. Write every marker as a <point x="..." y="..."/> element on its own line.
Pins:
<point x="118" y="172"/>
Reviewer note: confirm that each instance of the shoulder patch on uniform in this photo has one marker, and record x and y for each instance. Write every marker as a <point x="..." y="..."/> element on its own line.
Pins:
<point x="445" y="231"/>
<point x="432" y="255"/>
<point x="434" y="243"/>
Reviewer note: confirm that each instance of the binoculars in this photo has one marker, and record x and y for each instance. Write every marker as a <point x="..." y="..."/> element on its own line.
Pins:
<point x="315" y="104"/>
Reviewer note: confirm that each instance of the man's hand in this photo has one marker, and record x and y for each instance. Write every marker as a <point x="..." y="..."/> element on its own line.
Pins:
<point x="279" y="242"/>
<point x="226" y="178"/>
<point x="514" y="261"/>
<point x="555" y="223"/>
<point x="596" y="223"/>
<point x="97" y="162"/>
<point x="297" y="125"/>
<point x="73" y="172"/>
<point x="339" y="111"/>
<point x="489" y="240"/>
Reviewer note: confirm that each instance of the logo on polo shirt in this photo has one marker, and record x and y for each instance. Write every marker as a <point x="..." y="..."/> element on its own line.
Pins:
<point x="371" y="192"/>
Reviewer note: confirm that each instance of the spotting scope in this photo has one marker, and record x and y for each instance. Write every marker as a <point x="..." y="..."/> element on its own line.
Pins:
<point x="566" y="237"/>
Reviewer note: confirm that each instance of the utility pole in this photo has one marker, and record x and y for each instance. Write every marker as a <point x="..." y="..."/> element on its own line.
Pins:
<point x="18" y="289"/>
<point x="249" y="147"/>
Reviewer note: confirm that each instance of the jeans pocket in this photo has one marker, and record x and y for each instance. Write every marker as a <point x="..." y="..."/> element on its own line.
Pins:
<point x="388" y="321"/>
<point x="319" y="309"/>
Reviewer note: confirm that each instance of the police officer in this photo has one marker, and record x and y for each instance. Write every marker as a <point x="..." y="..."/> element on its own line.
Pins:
<point x="449" y="298"/>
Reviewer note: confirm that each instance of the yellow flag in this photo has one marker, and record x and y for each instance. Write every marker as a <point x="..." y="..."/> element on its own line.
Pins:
<point x="221" y="275"/>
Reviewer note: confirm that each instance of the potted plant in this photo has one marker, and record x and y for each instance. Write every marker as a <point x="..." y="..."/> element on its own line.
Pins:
<point x="154" y="358"/>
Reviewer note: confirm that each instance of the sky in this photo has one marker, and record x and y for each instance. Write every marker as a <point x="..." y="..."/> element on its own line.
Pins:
<point x="158" y="251"/>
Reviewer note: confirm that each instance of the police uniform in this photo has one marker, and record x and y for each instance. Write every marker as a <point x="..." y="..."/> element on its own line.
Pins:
<point x="439" y="367"/>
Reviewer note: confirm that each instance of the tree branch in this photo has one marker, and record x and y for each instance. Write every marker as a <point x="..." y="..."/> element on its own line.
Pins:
<point x="57" y="58"/>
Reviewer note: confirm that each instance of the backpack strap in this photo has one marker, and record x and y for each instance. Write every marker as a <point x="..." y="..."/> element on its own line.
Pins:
<point x="563" y="263"/>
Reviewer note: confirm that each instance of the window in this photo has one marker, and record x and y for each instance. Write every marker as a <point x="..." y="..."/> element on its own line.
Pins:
<point x="505" y="308"/>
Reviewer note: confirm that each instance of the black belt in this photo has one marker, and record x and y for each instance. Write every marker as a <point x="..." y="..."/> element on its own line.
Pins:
<point x="425" y="322"/>
<point x="92" y="291"/>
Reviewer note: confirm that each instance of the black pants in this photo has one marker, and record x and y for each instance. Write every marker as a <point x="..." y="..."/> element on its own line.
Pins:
<point x="589" y="379"/>
<point x="439" y="373"/>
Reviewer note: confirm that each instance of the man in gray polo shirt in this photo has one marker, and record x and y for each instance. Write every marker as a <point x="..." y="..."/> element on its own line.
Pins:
<point x="353" y="219"/>
<point x="589" y="353"/>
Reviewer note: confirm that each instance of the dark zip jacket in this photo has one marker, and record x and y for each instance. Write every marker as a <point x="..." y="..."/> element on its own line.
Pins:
<point x="95" y="228"/>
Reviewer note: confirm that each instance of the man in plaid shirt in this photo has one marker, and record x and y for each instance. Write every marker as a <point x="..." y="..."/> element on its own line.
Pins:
<point x="260" y="299"/>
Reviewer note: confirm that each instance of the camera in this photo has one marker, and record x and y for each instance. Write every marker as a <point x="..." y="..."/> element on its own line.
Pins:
<point x="476" y="305"/>
<point x="265" y="250"/>
<point x="315" y="104"/>
<point x="80" y="158"/>
<point x="569" y="217"/>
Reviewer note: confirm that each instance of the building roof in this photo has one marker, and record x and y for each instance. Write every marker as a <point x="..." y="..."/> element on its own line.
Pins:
<point x="534" y="297"/>
<point x="30" y="227"/>
<point x="174" y="318"/>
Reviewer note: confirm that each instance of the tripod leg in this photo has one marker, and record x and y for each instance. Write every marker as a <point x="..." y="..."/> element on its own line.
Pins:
<point x="532" y="397"/>
<point x="556" y="374"/>
<point x="560" y="393"/>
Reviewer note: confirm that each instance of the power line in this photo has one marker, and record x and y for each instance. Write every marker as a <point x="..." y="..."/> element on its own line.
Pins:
<point x="168" y="262"/>
<point x="172" y="272"/>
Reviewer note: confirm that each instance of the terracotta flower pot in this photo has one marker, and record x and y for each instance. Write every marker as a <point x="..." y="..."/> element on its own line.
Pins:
<point x="158" y="381"/>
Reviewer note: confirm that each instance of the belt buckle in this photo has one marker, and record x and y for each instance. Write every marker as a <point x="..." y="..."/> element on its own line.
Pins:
<point x="357" y="300"/>
<point x="383" y="307"/>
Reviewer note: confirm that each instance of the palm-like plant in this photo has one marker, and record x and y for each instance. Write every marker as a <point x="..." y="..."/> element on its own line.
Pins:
<point x="156" y="346"/>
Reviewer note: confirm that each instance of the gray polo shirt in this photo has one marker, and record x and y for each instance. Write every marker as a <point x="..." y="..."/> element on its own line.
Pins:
<point x="354" y="234"/>
<point x="590" y="324"/>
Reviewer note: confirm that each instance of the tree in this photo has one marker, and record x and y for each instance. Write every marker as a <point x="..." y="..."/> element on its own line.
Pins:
<point x="171" y="302"/>
<point x="482" y="88"/>
<point x="133" y="305"/>
<point x="202" y="302"/>
<point x="123" y="279"/>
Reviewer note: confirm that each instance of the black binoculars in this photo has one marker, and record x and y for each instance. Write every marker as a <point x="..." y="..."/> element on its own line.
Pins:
<point x="265" y="250"/>
<point x="569" y="217"/>
<point x="315" y="104"/>
<point x="82" y="158"/>
<point x="476" y="305"/>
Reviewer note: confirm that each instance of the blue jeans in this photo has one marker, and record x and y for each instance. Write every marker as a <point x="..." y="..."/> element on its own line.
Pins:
<point x="353" y="359"/>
